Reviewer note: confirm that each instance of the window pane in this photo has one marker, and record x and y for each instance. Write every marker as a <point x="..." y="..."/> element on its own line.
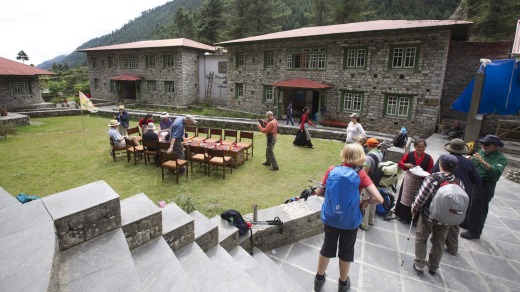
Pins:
<point x="361" y="58"/>
<point x="321" y="61"/>
<point x="356" y="102"/>
<point x="314" y="59"/>
<point x="304" y="61"/>
<point x="240" y="90"/>
<point x="398" y="58"/>
<point x="289" y="61"/>
<point x="269" y="62"/>
<point x="391" y="107"/>
<point x="150" y="61"/>
<point x="168" y="61"/>
<point x="404" y="105"/>
<point x="409" y="61"/>
<point x="269" y="93"/>
<point x="169" y="86"/>
<point x="241" y="60"/>
<point x="20" y="87"/>
<point x="347" y="104"/>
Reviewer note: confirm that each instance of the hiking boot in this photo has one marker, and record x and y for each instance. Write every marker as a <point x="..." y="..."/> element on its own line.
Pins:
<point x="319" y="283"/>
<point x="371" y="223"/>
<point x="364" y="227"/>
<point x="266" y="163"/>
<point x="418" y="269"/>
<point x="469" y="235"/>
<point x="431" y="270"/>
<point x="272" y="168"/>
<point x="344" y="288"/>
<point x="452" y="252"/>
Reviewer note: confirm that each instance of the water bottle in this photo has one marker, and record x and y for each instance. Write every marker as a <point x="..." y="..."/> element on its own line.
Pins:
<point x="255" y="213"/>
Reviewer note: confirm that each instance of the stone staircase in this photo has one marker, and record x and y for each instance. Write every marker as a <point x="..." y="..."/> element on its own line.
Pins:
<point x="87" y="239"/>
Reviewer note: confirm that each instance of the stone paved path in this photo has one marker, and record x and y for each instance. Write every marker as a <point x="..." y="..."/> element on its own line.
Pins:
<point x="491" y="263"/>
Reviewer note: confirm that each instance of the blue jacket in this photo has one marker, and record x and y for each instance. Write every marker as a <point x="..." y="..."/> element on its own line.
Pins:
<point x="123" y="119"/>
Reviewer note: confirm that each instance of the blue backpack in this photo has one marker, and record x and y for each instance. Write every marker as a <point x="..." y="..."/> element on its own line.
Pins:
<point x="234" y="217"/>
<point x="341" y="207"/>
<point x="388" y="203"/>
<point x="25" y="198"/>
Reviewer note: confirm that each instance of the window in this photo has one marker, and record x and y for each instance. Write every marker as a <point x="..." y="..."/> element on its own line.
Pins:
<point x="169" y="87"/>
<point x="151" y="85"/>
<point x="239" y="90"/>
<point x="168" y="61"/>
<point x="129" y="62"/>
<point x="93" y="62"/>
<point x="398" y="106"/>
<point x="352" y="101"/>
<point x="110" y="61"/>
<point x="404" y="57"/>
<point x="20" y="87"/>
<point x="268" y="59"/>
<point x="96" y="83"/>
<point x="240" y="60"/>
<point x="112" y="85"/>
<point x="307" y="58"/>
<point x="268" y="93"/>
<point x="150" y="61"/>
<point x="355" y="58"/>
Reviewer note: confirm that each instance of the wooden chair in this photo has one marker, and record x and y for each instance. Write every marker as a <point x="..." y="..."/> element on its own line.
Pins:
<point x="218" y="158"/>
<point x="114" y="148"/>
<point x="172" y="163"/>
<point x="202" y="133"/>
<point x="197" y="154"/>
<point x="151" y="148"/>
<point x="215" y="135"/>
<point x="137" y="151"/>
<point x="191" y="131"/>
<point x="246" y="144"/>
<point x="135" y="130"/>
<point x="230" y="134"/>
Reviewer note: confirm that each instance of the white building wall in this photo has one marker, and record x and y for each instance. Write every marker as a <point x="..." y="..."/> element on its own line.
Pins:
<point x="217" y="93"/>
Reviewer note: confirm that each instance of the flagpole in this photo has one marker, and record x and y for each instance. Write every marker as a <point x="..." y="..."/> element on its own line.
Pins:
<point x="81" y="111"/>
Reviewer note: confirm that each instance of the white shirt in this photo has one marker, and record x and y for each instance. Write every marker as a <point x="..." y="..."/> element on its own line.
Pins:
<point x="353" y="132"/>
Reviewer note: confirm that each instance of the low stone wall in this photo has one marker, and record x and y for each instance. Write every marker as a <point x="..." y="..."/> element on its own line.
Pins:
<point x="16" y="120"/>
<point x="140" y="232"/>
<point x="208" y="240"/>
<point x="180" y="237"/>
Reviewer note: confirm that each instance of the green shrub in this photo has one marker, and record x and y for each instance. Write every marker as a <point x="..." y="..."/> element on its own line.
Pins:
<point x="185" y="203"/>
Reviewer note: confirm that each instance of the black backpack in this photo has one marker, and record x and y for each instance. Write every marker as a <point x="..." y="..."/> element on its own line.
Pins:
<point x="400" y="140"/>
<point x="378" y="173"/>
<point x="234" y="217"/>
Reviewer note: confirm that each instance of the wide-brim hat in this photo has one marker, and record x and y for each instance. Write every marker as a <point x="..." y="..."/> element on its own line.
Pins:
<point x="113" y="123"/>
<point x="457" y="146"/>
<point x="165" y="115"/>
<point x="492" y="139"/>
<point x="150" y="127"/>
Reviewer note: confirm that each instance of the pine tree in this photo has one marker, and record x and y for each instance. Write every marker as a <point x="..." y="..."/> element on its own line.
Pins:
<point x="22" y="56"/>
<point x="210" y="21"/>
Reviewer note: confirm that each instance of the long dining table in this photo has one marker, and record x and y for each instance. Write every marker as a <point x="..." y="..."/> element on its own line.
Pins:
<point x="236" y="152"/>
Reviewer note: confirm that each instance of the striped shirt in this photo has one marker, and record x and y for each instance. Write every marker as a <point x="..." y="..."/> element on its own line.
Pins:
<point x="428" y="190"/>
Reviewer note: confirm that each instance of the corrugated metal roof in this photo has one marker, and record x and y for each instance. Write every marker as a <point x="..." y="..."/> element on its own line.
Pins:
<point x="9" y="67"/>
<point x="301" y="83"/>
<point x="181" y="42"/>
<point x="367" y="26"/>
<point x="126" y="77"/>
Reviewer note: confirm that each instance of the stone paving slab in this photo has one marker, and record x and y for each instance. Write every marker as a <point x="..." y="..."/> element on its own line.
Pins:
<point x="6" y="199"/>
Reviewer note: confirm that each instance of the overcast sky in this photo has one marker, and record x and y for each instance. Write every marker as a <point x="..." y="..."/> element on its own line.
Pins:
<point x="46" y="29"/>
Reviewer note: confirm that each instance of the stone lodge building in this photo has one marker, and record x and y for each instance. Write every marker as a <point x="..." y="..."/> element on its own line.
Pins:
<point x="20" y="85"/>
<point x="391" y="72"/>
<point x="154" y="72"/>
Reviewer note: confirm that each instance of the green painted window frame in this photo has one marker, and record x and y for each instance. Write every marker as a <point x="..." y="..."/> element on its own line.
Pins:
<point x="129" y="62"/>
<point x="268" y="91"/>
<point x="110" y="61"/>
<point x="151" y="61"/>
<point x="151" y="86"/>
<point x="406" y="50"/>
<point x="169" y="87"/>
<point x="240" y="87"/>
<point x="399" y="101"/>
<point x="269" y="59"/>
<point x="96" y="83"/>
<point x="308" y="58"/>
<point x="356" y="57"/>
<point x="168" y="61"/>
<point x="353" y="94"/>
<point x="240" y="60"/>
<point x="93" y="62"/>
<point x="20" y="86"/>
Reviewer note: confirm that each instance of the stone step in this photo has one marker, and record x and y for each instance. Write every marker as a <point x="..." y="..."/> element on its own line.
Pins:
<point x="239" y="279"/>
<point x="227" y="233"/>
<point x="178" y="227"/>
<point x="6" y="199"/>
<point x="141" y="220"/>
<point x="101" y="264"/>
<point x="159" y="269"/>
<point x="83" y="213"/>
<point x="28" y="246"/>
<point x="206" y="231"/>
<point x="264" y="271"/>
<point x="205" y="274"/>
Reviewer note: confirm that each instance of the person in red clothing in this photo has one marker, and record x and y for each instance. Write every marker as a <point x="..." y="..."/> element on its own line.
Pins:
<point x="143" y="123"/>
<point x="303" y="138"/>
<point x="270" y="129"/>
<point x="418" y="157"/>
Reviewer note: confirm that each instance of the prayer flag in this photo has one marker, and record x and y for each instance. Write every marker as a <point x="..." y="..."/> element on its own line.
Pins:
<point x="86" y="103"/>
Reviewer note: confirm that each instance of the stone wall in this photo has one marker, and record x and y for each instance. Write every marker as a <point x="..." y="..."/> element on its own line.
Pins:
<point x="463" y="63"/>
<point x="16" y="101"/>
<point x="142" y="231"/>
<point x="376" y="81"/>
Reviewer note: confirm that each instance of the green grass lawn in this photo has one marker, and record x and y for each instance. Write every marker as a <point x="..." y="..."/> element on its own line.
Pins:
<point x="59" y="153"/>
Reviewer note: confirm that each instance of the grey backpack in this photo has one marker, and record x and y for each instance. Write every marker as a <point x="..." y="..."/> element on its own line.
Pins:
<point x="449" y="204"/>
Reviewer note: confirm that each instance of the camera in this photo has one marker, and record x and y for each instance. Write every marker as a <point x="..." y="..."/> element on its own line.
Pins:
<point x="261" y="122"/>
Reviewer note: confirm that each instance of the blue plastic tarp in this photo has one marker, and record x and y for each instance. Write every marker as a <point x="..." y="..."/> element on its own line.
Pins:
<point x="500" y="93"/>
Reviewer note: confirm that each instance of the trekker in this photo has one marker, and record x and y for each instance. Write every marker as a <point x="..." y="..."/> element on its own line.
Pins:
<point x="341" y="212"/>
<point x="369" y="167"/>
<point x="143" y="123"/>
<point x="123" y="119"/>
<point x="354" y="129"/>
<point x="421" y="207"/>
<point x="113" y="134"/>
<point x="164" y="127"/>
<point x="490" y="164"/>
<point x="469" y="176"/>
<point x="271" y="131"/>
<point x="177" y="136"/>
<point x="303" y="138"/>
<point x="289" y="117"/>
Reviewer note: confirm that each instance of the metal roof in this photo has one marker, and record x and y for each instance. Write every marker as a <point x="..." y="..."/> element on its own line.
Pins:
<point x="126" y="77"/>
<point x="301" y="83"/>
<point x="181" y="42"/>
<point x="9" y="67"/>
<point x="357" y="27"/>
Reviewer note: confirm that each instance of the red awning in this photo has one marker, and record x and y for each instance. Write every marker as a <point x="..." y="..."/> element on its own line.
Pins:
<point x="126" y="77"/>
<point x="301" y="83"/>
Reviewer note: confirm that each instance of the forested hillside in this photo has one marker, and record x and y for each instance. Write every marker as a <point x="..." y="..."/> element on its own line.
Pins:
<point x="211" y="21"/>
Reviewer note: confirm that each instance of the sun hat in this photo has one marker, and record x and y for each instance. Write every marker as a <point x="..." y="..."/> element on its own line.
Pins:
<point x="191" y="119"/>
<point x="449" y="162"/>
<point x="113" y="123"/>
<point x="492" y="139"/>
<point x="372" y="142"/>
<point x="354" y="115"/>
<point x="457" y="146"/>
<point x="150" y="127"/>
<point x="121" y="107"/>
<point x="165" y="115"/>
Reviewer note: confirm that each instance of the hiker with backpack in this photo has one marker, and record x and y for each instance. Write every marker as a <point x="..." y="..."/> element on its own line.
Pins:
<point x="436" y="221"/>
<point x="469" y="176"/>
<point x="371" y="167"/>
<point x="341" y="212"/>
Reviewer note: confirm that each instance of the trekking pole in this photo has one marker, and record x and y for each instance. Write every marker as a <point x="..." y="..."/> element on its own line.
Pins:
<point x="407" y="240"/>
